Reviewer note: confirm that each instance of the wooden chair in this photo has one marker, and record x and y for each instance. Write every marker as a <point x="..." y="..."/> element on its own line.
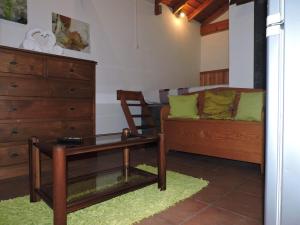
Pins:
<point x="136" y="99"/>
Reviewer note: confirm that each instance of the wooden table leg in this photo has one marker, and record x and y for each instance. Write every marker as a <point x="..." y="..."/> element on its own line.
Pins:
<point x="34" y="169"/>
<point x="161" y="163"/>
<point x="59" y="186"/>
<point x="126" y="165"/>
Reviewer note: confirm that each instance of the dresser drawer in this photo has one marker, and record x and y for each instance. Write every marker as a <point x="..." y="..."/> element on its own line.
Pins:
<point x="21" y="131"/>
<point x="21" y="63"/>
<point x="77" y="129"/>
<point x="24" y="87"/>
<point x="14" y="154"/>
<point x="12" y="86"/>
<point x="13" y="171"/>
<point x="71" y="89"/>
<point x="21" y="169"/>
<point x="45" y="109"/>
<point x="70" y="69"/>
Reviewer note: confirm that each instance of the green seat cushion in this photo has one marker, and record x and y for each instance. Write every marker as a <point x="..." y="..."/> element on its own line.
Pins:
<point x="250" y="106"/>
<point x="183" y="106"/>
<point x="218" y="105"/>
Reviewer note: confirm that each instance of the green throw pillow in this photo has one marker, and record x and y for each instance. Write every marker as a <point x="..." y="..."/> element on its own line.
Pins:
<point x="250" y="106"/>
<point x="218" y="105"/>
<point x="184" y="106"/>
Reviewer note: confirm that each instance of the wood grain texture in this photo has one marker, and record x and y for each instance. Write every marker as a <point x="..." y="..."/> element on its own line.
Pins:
<point x="162" y="176"/>
<point x="13" y="155"/>
<point x="214" y="77"/>
<point x="179" y="6"/>
<point x="42" y="54"/>
<point x="240" y="2"/>
<point x="126" y="98"/>
<point x="237" y="140"/>
<point x="41" y="95"/>
<point x="19" y="131"/>
<point x="195" y="9"/>
<point x="200" y="9"/>
<point x="224" y="8"/>
<point x="226" y="139"/>
<point x="69" y="69"/>
<point x="34" y="169"/>
<point x="63" y="109"/>
<point x="59" y="186"/>
<point x="18" y="86"/>
<point x="212" y="28"/>
<point x="21" y="63"/>
<point x="55" y="194"/>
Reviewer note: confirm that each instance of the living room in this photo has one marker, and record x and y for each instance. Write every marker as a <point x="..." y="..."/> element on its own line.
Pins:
<point x="81" y="82"/>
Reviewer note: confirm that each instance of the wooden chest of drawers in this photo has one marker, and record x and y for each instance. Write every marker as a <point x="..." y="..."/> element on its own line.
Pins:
<point x="41" y="95"/>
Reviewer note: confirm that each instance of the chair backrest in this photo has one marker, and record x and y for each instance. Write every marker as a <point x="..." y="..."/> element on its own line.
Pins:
<point x="136" y="99"/>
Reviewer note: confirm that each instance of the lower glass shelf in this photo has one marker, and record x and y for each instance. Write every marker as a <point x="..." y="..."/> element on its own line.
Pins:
<point x="99" y="186"/>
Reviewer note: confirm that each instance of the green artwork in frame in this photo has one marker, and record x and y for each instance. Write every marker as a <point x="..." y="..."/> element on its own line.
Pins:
<point x="14" y="10"/>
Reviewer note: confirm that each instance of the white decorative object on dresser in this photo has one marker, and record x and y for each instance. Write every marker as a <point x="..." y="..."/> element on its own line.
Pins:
<point x="41" y="41"/>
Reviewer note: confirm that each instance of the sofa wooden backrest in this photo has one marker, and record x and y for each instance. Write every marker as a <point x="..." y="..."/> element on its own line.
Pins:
<point x="216" y="90"/>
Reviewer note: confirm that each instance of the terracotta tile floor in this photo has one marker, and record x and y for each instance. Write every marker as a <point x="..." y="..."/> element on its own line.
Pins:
<point x="234" y="195"/>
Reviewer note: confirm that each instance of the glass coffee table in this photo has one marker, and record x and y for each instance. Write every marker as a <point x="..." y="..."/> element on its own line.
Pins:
<point x="65" y="195"/>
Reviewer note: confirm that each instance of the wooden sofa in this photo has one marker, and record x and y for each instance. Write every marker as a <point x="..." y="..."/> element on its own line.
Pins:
<point x="237" y="140"/>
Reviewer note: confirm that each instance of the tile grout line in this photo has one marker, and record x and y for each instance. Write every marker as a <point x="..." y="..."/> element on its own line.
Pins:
<point x="209" y="205"/>
<point x="212" y="203"/>
<point x="196" y="213"/>
<point x="235" y="213"/>
<point x="246" y="217"/>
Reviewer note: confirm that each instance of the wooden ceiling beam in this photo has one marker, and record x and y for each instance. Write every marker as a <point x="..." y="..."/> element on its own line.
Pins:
<point x="214" y="27"/>
<point x="224" y="8"/>
<point x="200" y="9"/>
<point x="178" y="7"/>
<point x="240" y="2"/>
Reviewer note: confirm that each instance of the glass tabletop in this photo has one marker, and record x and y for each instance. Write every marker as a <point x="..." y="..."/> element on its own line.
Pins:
<point x="105" y="142"/>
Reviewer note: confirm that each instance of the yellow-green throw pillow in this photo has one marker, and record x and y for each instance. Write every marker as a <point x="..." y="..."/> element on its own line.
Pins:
<point x="218" y="105"/>
<point x="184" y="106"/>
<point x="250" y="106"/>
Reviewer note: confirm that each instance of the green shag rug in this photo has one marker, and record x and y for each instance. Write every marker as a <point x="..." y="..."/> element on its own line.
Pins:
<point x="122" y="210"/>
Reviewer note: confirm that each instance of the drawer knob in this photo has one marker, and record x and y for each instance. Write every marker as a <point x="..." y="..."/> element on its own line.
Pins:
<point x="13" y="62"/>
<point x="72" y="108"/>
<point x="72" y="128"/>
<point x="13" y="109"/>
<point x="14" y="131"/>
<point x="14" y="155"/>
<point x="71" y="70"/>
<point x="72" y="89"/>
<point x="14" y="85"/>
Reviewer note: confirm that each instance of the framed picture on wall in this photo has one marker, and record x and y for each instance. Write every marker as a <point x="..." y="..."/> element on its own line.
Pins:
<point x="14" y="10"/>
<point x="71" y="33"/>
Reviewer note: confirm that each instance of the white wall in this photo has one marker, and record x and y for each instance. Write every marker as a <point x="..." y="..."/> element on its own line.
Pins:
<point x="137" y="52"/>
<point x="241" y="45"/>
<point x="215" y="49"/>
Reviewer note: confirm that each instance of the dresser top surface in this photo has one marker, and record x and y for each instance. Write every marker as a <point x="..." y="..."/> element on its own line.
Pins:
<point x="45" y="54"/>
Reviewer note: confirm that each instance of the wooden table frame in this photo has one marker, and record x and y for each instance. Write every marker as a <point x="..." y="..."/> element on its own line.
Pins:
<point x="59" y="161"/>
